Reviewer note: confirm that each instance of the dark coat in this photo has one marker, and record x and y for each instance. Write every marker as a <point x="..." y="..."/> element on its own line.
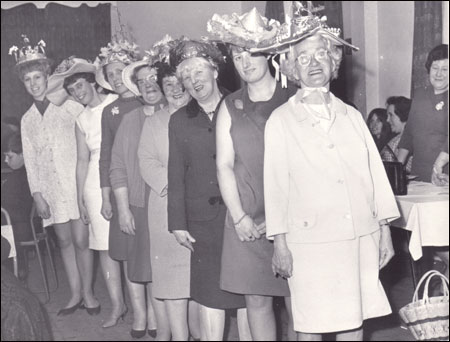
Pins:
<point x="193" y="189"/>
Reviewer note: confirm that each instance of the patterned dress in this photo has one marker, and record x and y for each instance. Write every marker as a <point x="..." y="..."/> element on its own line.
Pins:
<point x="50" y="154"/>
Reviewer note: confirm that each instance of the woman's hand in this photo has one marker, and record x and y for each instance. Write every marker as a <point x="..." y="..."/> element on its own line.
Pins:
<point x="261" y="228"/>
<point x="126" y="221"/>
<point x="246" y="229"/>
<point x="282" y="262"/>
<point x="84" y="215"/>
<point x="386" y="247"/>
<point x="106" y="210"/>
<point x="438" y="177"/>
<point x="184" y="238"/>
<point x="42" y="207"/>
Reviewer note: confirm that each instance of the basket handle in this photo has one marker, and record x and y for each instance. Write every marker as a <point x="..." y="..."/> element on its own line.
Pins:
<point x="428" y="276"/>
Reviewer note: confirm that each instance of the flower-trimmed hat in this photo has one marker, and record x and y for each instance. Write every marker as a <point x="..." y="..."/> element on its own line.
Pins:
<point x="186" y="49"/>
<point x="303" y="25"/>
<point x="250" y="30"/>
<point x="28" y="53"/>
<point x="69" y="66"/>
<point x="159" y="52"/>
<point x="116" y="51"/>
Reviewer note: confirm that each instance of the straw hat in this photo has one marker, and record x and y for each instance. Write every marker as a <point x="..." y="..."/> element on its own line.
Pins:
<point x="70" y="66"/>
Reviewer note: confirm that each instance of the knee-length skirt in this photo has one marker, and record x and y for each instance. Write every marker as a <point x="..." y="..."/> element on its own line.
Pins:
<point x="335" y="286"/>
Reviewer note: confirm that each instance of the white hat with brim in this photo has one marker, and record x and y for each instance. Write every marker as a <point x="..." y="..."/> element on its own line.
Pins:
<point x="55" y="90"/>
<point x="283" y="46"/>
<point x="127" y="76"/>
<point x="100" y="79"/>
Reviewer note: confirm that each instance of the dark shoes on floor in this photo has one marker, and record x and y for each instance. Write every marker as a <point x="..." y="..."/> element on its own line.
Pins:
<point x="71" y="310"/>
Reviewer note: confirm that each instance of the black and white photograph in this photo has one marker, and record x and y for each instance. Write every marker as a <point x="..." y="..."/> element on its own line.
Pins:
<point x="224" y="171"/>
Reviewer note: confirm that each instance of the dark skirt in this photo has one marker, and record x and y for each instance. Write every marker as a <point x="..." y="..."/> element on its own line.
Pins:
<point x="247" y="266"/>
<point x="205" y="265"/>
<point x="134" y="249"/>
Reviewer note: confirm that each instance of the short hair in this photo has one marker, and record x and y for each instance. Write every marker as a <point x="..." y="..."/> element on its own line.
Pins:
<point x="402" y="105"/>
<point x="42" y="65"/>
<point x="438" y="53"/>
<point x="14" y="144"/>
<point x="164" y="70"/>
<point x="136" y="70"/>
<point x="88" y="76"/>
<point x="289" y="67"/>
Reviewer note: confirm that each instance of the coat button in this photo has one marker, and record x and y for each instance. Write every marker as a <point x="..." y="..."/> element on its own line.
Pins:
<point x="348" y="216"/>
<point x="340" y="181"/>
<point x="210" y="129"/>
<point x="214" y="156"/>
<point x="305" y="224"/>
<point x="330" y="146"/>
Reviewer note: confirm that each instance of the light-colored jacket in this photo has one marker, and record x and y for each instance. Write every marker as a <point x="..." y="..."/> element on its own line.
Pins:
<point x="323" y="186"/>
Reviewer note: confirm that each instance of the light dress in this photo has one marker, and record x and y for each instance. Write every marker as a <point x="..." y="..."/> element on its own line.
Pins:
<point x="89" y="122"/>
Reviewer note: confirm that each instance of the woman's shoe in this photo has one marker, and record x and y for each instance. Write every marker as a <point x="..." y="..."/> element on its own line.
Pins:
<point x="93" y="311"/>
<point x="138" y="333"/>
<point x="113" y="322"/>
<point x="71" y="310"/>
<point x="152" y="332"/>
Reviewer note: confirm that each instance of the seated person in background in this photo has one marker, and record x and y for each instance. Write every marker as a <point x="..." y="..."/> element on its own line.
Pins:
<point x="17" y="200"/>
<point x="10" y="125"/>
<point x="23" y="317"/>
<point x="398" y="111"/>
<point x="379" y="127"/>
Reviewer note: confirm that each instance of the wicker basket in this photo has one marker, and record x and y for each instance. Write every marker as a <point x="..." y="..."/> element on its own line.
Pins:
<point x="427" y="318"/>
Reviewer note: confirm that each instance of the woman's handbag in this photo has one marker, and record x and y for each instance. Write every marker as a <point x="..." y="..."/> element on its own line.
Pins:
<point x="397" y="177"/>
<point x="427" y="318"/>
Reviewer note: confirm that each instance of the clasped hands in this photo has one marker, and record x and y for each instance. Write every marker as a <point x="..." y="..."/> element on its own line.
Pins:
<point x="248" y="230"/>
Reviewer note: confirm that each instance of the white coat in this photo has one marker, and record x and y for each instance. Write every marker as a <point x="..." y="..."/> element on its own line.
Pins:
<point x="323" y="186"/>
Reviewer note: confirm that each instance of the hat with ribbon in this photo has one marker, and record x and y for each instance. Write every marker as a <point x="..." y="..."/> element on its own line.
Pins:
<point x="159" y="52"/>
<point x="303" y="25"/>
<point x="68" y="67"/>
<point x="116" y="51"/>
<point x="249" y="30"/>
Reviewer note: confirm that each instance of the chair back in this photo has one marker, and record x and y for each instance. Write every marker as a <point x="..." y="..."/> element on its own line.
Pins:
<point x="8" y="234"/>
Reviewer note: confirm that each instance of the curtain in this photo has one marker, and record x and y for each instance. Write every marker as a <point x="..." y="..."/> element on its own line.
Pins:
<point x="427" y="34"/>
<point x="66" y="31"/>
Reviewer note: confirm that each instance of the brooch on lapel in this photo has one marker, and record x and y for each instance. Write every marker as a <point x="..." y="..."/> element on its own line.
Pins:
<point x="440" y="105"/>
<point x="239" y="104"/>
<point x="115" y="110"/>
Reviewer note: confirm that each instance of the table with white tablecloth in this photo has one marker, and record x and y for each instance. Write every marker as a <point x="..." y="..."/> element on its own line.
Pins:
<point x="424" y="212"/>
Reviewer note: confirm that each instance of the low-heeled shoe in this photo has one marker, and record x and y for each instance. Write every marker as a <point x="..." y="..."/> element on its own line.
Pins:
<point x="152" y="332"/>
<point x="138" y="333"/>
<point x="93" y="311"/>
<point x="71" y="310"/>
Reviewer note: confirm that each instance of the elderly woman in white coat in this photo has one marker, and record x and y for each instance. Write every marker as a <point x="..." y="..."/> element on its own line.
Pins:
<point x="327" y="200"/>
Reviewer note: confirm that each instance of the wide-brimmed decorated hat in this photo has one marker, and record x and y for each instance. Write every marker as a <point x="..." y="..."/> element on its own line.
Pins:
<point x="69" y="66"/>
<point x="304" y="24"/>
<point x="249" y="30"/>
<point x="116" y="51"/>
<point x="204" y="48"/>
<point x="159" y="52"/>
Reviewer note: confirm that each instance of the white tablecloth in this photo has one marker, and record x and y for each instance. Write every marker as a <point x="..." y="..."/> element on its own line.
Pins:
<point x="424" y="212"/>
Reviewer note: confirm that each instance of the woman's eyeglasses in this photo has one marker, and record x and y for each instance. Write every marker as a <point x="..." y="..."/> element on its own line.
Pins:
<point x="320" y="55"/>
<point x="149" y="79"/>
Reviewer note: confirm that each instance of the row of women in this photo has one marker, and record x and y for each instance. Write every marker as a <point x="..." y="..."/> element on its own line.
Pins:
<point x="212" y="200"/>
